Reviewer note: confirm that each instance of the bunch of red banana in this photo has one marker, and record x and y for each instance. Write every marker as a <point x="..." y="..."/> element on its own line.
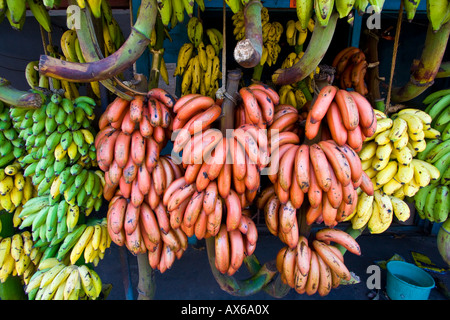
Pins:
<point x="257" y="105"/>
<point x="138" y="218"/>
<point x="319" y="266"/>
<point x="145" y="230"/>
<point x="194" y="113"/>
<point x="325" y="173"/>
<point x="351" y="67"/>
<point x="349" y="117"/>
<point x="205" y="214"/>
<point x="131" y="137"/>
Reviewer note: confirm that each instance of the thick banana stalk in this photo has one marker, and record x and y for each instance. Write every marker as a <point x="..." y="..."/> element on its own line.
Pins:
<point x="248" y="51"/>
<point x="425" y="71"/>
<point x="317" y="47"/>
<point x="112" y="65"/>
<point x="18" y="98"/>
<point x="245" y="287"/>
<point x="91" y="50"/>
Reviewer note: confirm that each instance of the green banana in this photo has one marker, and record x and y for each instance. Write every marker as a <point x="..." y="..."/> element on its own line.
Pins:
<point x="17" y="10"/>
<point x="439" y="106"/>
<point x="69" y="241"/>
<point x="343" y="7"/>
<point x="51" y="222"/>
<point x="429" y="204"/>
<point x="410" y="8"/>
<point x="435" y="96"/>
<point x="40" y="13"/>
<point x="430" y="145"/>
<point x="438" y="151"/>
<point x="445" y="179"/>
<point x="420" y="197"/>
<point x="305" y="11"/>
<point x="377" y="5"/>
<point x="443" y="118"/>
<point x="323" y="10"/>
<point x="361" y="6"/>
<point x="31" y="74"/>
<point x="446" y="133"/>
<point x="436" y="13"/>
<point x="442" y="204"/>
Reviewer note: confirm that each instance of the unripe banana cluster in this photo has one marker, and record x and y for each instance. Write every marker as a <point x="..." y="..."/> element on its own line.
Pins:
<point x="438" y="12"/>
<point x="15" y="12"/>
<point x="198" y="62"/>
<point x="18" y="257"/>
<point x="11" y="145"/>
<point x="50" y="223"/>
<point x="300" y="93"/>
<point x="60" y="149"/>
<point x="316" y="266"/>
<point x="55" y="280"/>
<point x="173" y="12"/>
<point x="432" y="202"/>
<point x="15" y="189"/>
<point x="351" y="68"/>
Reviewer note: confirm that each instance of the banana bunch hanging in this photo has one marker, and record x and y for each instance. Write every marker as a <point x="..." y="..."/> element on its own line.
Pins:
<point x="15" y="12"/>
<point x="198" y="62"/>
<point x="173" y="12"/>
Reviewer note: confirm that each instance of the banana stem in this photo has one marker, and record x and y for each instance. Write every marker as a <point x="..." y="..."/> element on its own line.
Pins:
<point x="91" y="49"/>
<point x="425" y="71"/>
<point x="444" y="70"/>
<point x="236" y="287"/>
<point x="157" y="53"/>
<point x="317" y="47"/>
<point x="146" y="286"/>
<point x="18" y="98"/>
<point x="275" y="288"/>
<point x="229" y="102"/>
<point x="261" y="275"/>
<point x="248" y="51"/>
<point x="257" y="72"/>
<point x="112" y="65"/>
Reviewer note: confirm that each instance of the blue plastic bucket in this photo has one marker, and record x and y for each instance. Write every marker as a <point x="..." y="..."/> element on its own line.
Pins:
<point x="406" y="281"/>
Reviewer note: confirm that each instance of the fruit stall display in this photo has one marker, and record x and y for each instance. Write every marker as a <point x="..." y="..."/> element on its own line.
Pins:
<point x="302" y="153"/>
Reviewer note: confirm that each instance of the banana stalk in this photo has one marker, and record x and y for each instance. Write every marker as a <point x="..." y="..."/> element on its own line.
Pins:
<point x="244" y="287"/>
<point x="112" y="65"/>
<point x="91" y="50"/>
<point x="262" y="276"/>
<point x="146" y="285"/>
<point x="275" y="288"/>
<point x="18" y="98"/>
<point x="157" y="54"/>
<point x="425" y="70"/>
<point x="248" y="51"/>
<point x="318" y="46"/>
